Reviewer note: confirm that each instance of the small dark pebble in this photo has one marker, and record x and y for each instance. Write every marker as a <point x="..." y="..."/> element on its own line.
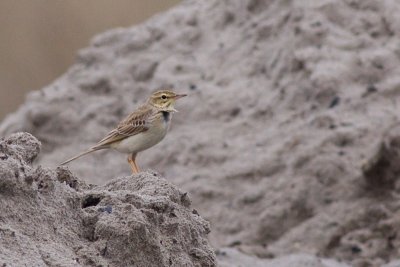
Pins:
<point x="316" y="24"/>
<point x="195" y="212"/>
<point x="29" y="179"/>
<point x="196" y="177"/>
<point x="235" y="243"/>
<point x="220" y="253"/>
<point x="235" y="112"/>
<point x="370" y="90"/>
<point x="193" y="87"/>
<point x="355" y="249"/>
<point x="335" y="101"/>
<point x="184" y="197"/>
<point x="107" y="209"/>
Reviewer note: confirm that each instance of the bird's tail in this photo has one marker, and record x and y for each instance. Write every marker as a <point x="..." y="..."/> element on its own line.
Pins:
<point x="90" y="150"/>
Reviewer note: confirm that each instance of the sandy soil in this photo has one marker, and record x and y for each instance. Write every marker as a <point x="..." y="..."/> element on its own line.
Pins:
<point x="50" y="218"/>
<point x="288" y="142"/>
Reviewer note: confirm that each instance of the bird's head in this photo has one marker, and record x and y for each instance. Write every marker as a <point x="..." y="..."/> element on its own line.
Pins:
<point x="164" y="100"/>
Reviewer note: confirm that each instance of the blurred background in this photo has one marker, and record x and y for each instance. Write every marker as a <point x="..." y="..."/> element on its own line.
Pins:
<point x="40" y="38"/>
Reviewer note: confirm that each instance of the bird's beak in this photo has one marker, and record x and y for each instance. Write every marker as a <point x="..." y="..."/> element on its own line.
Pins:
<point x="180" y="96"/>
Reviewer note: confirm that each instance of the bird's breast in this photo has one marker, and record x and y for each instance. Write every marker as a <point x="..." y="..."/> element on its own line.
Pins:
<point x="154" y="134"/>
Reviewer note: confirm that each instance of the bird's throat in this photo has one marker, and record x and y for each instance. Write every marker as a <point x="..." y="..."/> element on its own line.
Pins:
<point x="166" y="116"/>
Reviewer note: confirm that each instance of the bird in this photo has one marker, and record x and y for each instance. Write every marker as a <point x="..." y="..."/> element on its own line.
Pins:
<point x="140" y="130"/>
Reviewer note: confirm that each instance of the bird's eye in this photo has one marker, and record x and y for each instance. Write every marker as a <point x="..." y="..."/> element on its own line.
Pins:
<point x="164" y="97"/>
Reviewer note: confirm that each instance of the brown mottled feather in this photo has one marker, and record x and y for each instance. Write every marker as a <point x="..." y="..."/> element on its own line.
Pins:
<point x="136" y="122"/>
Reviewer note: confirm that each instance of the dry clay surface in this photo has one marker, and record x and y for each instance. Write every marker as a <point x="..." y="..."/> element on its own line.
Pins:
<point x="288" y="141"/>
<point x="50" y="218"/>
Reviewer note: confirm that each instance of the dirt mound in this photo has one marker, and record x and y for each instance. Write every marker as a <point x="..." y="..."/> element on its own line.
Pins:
<point x="50" y="218"/>
<point x="288" y="140"/>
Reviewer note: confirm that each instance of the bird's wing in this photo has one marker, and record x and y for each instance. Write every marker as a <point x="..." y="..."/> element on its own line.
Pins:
<point x="136" y="122"/>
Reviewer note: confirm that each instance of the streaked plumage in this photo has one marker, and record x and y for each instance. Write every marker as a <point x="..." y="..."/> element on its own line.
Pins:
<point x="142" y="129"/>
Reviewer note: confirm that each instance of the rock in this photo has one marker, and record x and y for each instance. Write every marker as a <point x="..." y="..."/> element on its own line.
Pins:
<point x="382" y="170"/>
<point x="50" y="218"/>
<point x="395" y="263"/>
<point x="24" y="145"/>
<point x="233" y="258"/>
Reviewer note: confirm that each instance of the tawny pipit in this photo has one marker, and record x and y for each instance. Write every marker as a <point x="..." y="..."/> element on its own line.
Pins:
<point x="142" y="129"/>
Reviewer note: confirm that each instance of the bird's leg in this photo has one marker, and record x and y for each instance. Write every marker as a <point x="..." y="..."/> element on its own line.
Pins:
<point x="136" y="165"/>
<point x="132" y="162"/>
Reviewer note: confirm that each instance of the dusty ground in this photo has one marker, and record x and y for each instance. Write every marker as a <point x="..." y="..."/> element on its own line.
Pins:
<point x="289" y="140"/>
<point x="50" y="218"/>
